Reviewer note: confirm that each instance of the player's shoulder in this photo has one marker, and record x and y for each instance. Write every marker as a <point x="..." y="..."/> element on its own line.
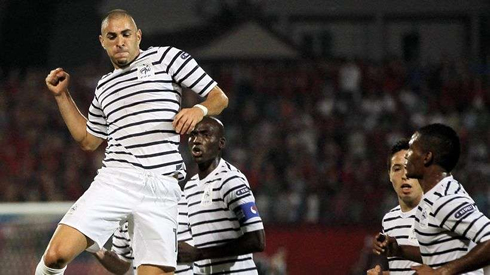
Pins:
<point x="228" y="170"/>
<point x="393" y="213"/>
<point x="191" y="183"/>
<point x="444" y="200"/>
<point x="169" y="52"/>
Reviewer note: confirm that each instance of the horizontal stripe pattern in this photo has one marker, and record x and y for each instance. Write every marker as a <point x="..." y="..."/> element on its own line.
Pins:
<point x="448" y="224"/>
<point x="133" y="108"/>
<point x="213" y="222"/>
<point x="400" y="225"/>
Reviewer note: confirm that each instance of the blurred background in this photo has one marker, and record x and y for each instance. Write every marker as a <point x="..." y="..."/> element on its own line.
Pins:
<point x="319" y="91"/>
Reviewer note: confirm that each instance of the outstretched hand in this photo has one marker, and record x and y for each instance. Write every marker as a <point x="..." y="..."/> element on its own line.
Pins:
<point x="57" y="81"/>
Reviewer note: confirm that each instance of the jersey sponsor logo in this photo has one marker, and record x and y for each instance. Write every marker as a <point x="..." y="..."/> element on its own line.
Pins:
<point x="184" y="55"/>
<point x="465" y="210"/>
<point x="145" y="71"/>
<point x="242" y="191"/>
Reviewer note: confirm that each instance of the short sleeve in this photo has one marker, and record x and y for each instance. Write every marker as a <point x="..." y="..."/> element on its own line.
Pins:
<point x="96" y="123"/>
<point x="187" y="73"/>
<point x="459" y="214"/>
<point x="239" y="199"/>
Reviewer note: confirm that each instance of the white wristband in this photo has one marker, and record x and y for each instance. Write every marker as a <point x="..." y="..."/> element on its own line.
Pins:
<point x="203" y="108"/>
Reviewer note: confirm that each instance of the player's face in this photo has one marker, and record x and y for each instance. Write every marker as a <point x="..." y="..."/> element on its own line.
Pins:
<point x="121" y="40"/>
<point x="204" y="142"/>
<point x="408" y="190"/>
<point x="414" y="158"/>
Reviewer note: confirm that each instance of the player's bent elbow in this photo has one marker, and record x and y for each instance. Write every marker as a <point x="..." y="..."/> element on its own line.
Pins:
<point x="88" y="147"/>
<point x="90" y="143"/>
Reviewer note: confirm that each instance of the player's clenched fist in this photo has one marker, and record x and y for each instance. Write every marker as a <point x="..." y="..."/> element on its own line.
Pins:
<point x="57" y="81"/>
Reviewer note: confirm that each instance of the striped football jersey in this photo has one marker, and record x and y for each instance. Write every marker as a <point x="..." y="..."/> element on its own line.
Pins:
<point x="221" y="209"/>
<point x="133" y="108"/>
<point x="400" y="225"/>
<point x="448" y="224"/>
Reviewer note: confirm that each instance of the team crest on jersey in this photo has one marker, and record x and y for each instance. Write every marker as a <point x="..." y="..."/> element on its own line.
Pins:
<point x="465" y="210"/>
<point x="411" y="234"/>
<point x="207" y="196"/>
<point x="424" y="218"/>
<point x="145" y="71"/>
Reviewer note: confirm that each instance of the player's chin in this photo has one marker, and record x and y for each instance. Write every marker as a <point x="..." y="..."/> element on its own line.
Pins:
<point x="122" y="62"/>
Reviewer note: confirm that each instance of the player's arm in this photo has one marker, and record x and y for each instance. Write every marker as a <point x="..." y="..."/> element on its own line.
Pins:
<point x="185" y="121"/>
<point x="112" y="262"/>
<point x="57" y="82"/>
<point x="477" y="258"/>
<point x="249" y="242"/>
<point x="389" y="247"/>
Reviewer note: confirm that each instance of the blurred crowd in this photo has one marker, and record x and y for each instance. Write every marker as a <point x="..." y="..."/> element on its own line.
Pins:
<point x="312" y="136"/>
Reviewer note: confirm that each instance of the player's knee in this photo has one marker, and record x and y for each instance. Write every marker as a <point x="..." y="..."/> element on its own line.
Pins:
<point x="56" y="257"/>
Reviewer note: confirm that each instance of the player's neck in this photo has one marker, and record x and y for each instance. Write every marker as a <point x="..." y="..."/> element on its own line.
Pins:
<point x="205" y="168"/>
<point x="432" y="178"/>
<point x="406" y="206"/>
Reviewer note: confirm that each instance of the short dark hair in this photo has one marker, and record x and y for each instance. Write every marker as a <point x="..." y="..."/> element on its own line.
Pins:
<point x="443" y="142"/>
<point x="401" y="144"/>
<point x="116" y="14"/>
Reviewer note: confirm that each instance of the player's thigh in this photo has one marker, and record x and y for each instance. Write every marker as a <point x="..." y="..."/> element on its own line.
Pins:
<point x="154" y="270"/>
<point x="155" y="226"/>
<point x="97" y="213"/>
<point x="67" y="242"/>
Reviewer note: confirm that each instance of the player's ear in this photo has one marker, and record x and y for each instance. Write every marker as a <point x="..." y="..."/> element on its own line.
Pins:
<point x="428" y="158"/>
<point x="101" y="40"/>
<point x="139" y="35"/>
<point x="222" y="143"/>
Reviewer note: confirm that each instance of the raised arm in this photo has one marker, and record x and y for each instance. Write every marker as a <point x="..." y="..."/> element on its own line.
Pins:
<point x="248" y="243"/>
<point x="185" y="121"/>
<point x="57" y="82"/>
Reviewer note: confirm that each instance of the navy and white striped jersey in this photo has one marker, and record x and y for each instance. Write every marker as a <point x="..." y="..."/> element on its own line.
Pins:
<point x="221" y="209"/>
<point x="447" y="221"/>
<point x="134" y="107"/>
<point x="400" y="225"/>
<point x="121" y="241"/>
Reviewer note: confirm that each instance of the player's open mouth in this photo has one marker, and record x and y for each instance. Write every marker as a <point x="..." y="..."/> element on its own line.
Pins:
<point x="196" y="152"/>
<point x="406" y="187"/>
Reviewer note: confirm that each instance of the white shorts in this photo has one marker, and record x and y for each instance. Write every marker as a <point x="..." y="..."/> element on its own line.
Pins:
<point x="117" y="194"/>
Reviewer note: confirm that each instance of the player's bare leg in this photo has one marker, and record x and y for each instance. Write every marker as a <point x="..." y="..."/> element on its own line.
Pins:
<point x="66" y="244"/>
<point x="155" y="270"/>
